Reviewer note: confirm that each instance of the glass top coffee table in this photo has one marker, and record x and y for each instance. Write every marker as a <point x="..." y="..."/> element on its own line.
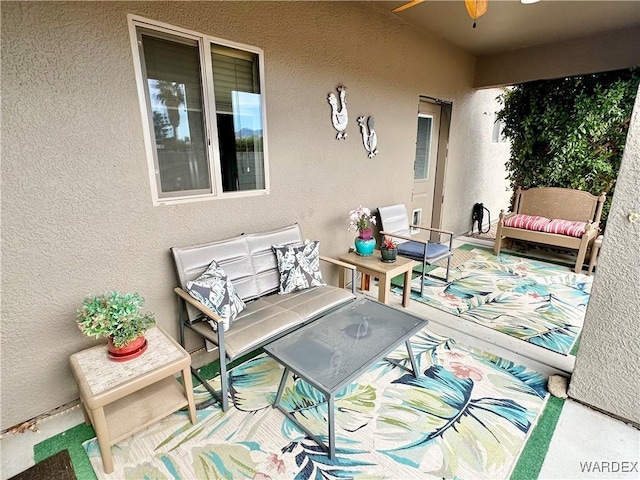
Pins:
<point x="334" y="350"/>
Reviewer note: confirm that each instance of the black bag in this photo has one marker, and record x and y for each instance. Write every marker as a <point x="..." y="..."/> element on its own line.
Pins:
<point x="477" y="216"/>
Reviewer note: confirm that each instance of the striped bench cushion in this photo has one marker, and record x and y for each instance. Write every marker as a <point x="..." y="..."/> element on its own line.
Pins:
<point x="527" y="222"/>
<point x="566" y="227"/>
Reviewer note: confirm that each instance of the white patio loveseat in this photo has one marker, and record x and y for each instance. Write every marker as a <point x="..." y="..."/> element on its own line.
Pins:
<point x="250" y="263"/>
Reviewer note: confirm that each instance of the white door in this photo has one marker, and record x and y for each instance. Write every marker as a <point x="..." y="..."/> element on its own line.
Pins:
<point x="424" y="167"/>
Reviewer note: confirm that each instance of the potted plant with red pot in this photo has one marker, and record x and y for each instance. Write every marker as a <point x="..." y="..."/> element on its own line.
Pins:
<point x="118" y="317"/>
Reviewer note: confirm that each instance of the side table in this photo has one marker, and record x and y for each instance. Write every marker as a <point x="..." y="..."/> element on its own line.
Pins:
<point x="121" y="398"/>
<point x="595" y="249"/>
<point x="374" y="266"/>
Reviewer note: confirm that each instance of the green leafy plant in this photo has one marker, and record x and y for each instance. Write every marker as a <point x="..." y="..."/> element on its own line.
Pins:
<point x="569" y="132"/>
<point x="115" y="315"/>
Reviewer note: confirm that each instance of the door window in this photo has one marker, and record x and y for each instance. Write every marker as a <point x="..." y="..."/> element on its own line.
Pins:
<point x="423" y="147"/>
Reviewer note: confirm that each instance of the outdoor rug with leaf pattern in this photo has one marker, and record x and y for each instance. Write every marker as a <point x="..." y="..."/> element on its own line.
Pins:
<point x="532" y="300"/>
<point x="467" y="417"/>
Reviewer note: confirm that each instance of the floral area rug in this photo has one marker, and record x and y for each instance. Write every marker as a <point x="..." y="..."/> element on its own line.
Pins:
<point x="467" y="416"/>
<point x="534" y="301"/>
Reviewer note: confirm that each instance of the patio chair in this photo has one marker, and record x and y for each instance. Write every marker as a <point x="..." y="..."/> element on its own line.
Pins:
<point x="394" y="223"/>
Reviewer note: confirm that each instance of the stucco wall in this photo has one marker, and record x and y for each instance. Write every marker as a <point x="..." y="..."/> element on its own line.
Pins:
<point x="478" y="175"/>
<point x="598" y="53"/>
<point x="608" y="362"/>
<point x="77" y="216"/>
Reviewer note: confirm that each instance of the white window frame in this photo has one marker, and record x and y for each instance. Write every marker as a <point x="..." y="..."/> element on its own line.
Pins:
<point x="498" y="128"/>
<point x="213" y="150"/>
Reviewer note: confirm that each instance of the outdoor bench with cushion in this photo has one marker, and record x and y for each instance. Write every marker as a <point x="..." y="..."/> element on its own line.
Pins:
<point x="238" y="282"/>
<point x="562" y="217"/>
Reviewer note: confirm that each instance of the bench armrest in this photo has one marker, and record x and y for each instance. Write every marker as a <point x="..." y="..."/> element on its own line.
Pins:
<point x="504" y="216"/>
<point x="591" y="229"/>
<point x="203" y="308"/>
<point x="337" y="262"/>
<point x="340" y="263"/>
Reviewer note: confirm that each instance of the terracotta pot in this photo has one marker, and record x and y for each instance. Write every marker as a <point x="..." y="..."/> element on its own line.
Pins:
<point x="129" y="351"/>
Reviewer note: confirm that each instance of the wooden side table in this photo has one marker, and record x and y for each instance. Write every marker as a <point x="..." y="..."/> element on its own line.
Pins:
<point x="595" y="249"/>
<point x="121" y="398"/>
<point x="374" y="266"/>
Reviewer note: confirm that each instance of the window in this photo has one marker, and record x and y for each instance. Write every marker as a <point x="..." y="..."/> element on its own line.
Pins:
<point x="423" y="147"/>
<point x="498" y="133"/>
<point x="204" y="109"/>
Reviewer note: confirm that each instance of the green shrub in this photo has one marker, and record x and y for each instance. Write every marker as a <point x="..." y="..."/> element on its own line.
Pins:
<point x="569" y="132"/>
<point x="116" y="315"/>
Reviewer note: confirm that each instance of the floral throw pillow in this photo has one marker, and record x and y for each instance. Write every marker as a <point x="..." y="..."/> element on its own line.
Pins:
<point x="214" y="289"/>
<point x="299" y="266"/>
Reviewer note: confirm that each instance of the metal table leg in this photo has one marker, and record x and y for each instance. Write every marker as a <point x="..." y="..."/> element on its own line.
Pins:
<point x="281" y="387"/>
<point x="332" y="426"/>
<point x="412" y="358"/>
<point x="331" y="448"/>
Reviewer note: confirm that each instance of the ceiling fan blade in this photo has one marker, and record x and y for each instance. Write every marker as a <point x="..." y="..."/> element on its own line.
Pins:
<point x="476" y="8"/>
<point x="410" y="4"/>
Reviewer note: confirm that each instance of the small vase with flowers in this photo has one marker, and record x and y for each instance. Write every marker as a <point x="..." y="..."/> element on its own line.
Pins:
<point x="361" y="220"/>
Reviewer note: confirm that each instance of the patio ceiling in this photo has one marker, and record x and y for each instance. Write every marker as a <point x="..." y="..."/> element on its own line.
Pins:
<point x="510" y="25"/>
<point x="607" y="30"/>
